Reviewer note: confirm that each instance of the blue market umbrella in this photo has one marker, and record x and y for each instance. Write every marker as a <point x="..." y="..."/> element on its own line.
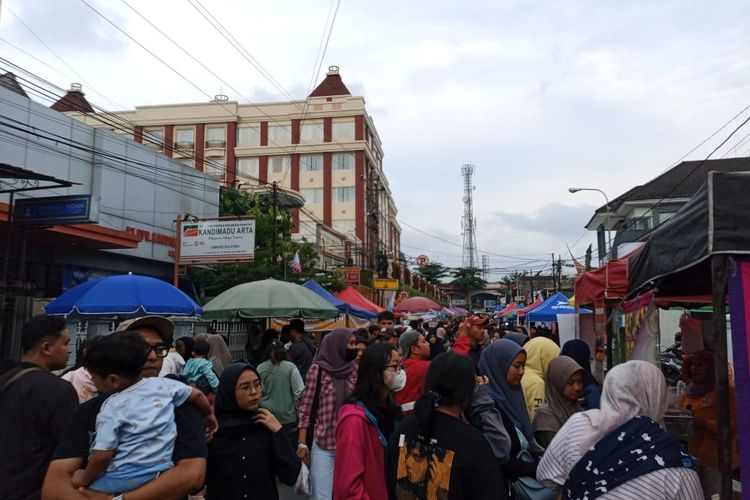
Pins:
<point x="124" y="295"/>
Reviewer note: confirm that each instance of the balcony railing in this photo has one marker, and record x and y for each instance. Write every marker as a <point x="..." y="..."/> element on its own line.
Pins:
<point x="216" y="144"/>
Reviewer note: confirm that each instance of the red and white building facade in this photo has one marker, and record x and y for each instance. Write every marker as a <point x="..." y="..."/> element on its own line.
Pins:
<point x="324" y="148"/>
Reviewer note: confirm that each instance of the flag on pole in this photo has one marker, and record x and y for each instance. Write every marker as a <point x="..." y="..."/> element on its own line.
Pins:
<point x="296" y="264"/>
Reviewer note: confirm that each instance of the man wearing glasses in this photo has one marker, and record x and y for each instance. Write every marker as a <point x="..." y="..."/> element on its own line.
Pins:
<point x="190" y="449"/>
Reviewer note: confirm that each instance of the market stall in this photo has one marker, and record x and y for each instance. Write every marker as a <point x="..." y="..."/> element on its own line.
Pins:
<point x="700" y="251"/>
<point x="350" y="295"/>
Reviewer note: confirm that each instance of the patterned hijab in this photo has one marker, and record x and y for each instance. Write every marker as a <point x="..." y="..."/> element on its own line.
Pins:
<point x="635" y="388"/>
<point x="494" y="363"/>
<point x="556" y="410"/>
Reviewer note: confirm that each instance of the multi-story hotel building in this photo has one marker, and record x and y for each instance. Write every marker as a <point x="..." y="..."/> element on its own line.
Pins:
<point x="325" y="148"/>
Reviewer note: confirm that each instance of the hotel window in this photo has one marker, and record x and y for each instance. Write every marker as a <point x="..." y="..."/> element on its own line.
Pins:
<point x="184" y="138"/>
<point x="279" y="134"/>
<point x="344" y="225"/>
<point x="278" y="164"/>
<point x="312" y="195"/>
<point x="311" y="131"/>
<point x="248" y="135"/>
<point x="343" y="129"/>
<point x="215" y="137"/>
<point x="311" y="163"/>
<point x="154" y="138"/>
<point x="343" y="161"/>
<point x="343" y="194"/>
<point x="215" y="168"/>
<point x="248" y="166"/>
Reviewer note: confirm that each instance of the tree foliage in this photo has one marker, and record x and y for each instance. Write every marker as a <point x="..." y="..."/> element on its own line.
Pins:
<point x="467" y="279"/>
<point x="433" y="273"/>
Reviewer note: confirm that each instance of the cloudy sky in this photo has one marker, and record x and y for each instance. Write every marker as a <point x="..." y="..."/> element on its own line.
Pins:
<point x="539" y="96"/>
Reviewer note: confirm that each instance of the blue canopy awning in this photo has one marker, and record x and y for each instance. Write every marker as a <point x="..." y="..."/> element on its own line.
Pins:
<point x="550" y="308"/>
<point x="336" y="302"/>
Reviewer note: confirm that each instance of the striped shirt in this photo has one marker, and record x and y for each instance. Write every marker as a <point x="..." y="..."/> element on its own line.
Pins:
<point x="565" y="451"/>
<point x="325" y="425"/>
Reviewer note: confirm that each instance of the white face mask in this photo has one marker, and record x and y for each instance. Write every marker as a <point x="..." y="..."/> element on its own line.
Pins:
<point x="395" y="381"/>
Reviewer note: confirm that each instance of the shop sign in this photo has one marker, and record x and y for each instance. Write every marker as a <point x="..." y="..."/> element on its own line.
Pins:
<point x="385" y="284"/>
<point x="212" y="240"/>
<point x="348" y="274"/>
<point x="53" y="210"/>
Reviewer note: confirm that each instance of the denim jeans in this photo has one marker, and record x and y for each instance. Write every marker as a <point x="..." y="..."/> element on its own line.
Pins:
<point x="321" y="473"/>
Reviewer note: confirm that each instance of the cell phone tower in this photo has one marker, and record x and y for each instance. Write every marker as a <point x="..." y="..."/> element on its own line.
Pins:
<point x="469" y="223"/>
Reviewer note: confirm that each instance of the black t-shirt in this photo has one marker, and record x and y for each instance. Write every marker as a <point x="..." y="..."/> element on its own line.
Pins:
<point x="34" y="412"/>
<point x="79" y="435"/>
<point x="456" y="463"/>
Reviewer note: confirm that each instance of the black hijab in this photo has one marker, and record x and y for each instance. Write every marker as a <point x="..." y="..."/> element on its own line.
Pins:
<point x="188" y="342"/>
<point x="228" y="413"/>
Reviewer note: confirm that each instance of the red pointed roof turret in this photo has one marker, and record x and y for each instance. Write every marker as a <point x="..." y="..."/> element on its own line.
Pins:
<point x="74" y="100"/>
<point x="332" y="85"/>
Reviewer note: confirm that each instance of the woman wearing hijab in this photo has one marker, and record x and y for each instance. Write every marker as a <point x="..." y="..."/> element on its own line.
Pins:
<point x="436" y="345"/>
<point x="700" y="398"/>
<point x="434" y="453"/>
<point x="621" y="451"/>
<point x="499" y="410"/>
<point x="539" y="352"/>
<point x="517" y="337"/>
<point x="329" y="383"/>
<point x="219" y="354"/>
<point x="365" y="424"/>
<point x="562" y="393"/>
<point x="249" y="451"/>
<point x="580" y="352"/>
<point x="184" y="347"/>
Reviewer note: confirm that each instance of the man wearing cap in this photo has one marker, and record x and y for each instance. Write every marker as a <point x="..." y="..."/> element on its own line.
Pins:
<point x="190" y="450"/>
<point x="387" y="336"/>
<point x="470" y="336"/>
<point x="415" y="358"/>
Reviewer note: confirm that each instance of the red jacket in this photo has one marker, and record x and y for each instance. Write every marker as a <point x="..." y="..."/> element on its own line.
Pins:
<point x="462" y="345"/>
<point x="416" y="370"/>
<point x="359" y="467"/>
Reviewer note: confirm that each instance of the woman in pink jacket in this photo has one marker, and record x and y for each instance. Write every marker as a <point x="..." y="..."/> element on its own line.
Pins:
<point x="365" y="424"/>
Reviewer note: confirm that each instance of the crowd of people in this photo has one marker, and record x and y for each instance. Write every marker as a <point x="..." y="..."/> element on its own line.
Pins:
<point x="460" y="409"/>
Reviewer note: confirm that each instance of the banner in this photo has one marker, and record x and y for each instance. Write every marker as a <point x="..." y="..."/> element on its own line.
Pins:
<point x="739" y="300"/>
<point x="210" y="240"/>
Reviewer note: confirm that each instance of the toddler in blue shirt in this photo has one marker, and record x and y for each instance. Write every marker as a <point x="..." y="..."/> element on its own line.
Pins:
<point x="135" y="428"/>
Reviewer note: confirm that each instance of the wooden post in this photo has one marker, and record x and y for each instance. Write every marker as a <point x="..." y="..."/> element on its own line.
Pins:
<point x="723" y="418"/>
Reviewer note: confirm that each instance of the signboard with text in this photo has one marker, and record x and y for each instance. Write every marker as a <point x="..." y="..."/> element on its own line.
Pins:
<point x="385" y="284"/>
<point x="216" y="240"/>
<point x="53" y="210"/>
<point x="348" y="274"/>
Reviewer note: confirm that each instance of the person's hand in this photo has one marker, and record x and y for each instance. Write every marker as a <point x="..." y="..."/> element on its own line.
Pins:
<point x="210" y="426"/>
<point x="77" y="479"/>
<point x="265" y="417"/>
<point x="304" y="454"/>
<point x="482" y="380"/>
<point x="465" y="327"/>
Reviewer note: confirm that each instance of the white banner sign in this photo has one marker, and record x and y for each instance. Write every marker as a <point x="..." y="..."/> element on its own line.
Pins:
<point x="217" y="239"/>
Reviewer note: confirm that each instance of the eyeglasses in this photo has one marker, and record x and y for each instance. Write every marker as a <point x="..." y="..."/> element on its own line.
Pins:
<point x="395" y="368"/>
<point x="255" y="386"/>
<point x="161" y="350"/>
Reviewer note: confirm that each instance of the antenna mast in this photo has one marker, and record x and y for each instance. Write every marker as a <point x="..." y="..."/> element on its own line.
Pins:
<point x="469" y="223"/>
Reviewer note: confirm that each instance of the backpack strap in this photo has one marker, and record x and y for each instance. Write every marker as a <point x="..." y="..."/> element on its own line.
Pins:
<point x="15" y="378"/>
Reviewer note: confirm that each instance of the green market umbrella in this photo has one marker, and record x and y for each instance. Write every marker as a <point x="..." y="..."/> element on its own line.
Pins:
<point x="269" y="299"/>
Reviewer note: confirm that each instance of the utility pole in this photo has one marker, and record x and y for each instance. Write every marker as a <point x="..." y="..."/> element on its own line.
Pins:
<point x="554" y="272"/>
<point x="274" y="200"/>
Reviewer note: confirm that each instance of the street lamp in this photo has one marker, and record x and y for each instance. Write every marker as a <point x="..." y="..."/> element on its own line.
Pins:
<point x="606" y="199"/>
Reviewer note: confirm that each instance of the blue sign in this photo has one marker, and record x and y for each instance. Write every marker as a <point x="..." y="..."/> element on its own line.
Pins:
<point x="53" y="210"/>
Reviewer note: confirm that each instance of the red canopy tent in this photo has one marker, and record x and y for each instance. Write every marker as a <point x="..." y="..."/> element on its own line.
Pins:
<point x="609" y="282"/>
<point x="352" y="297"/>
<point x="508" y="308"/>
<point x="533" y="305"/>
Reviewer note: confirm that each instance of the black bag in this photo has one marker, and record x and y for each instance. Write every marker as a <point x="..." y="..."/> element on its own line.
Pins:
<point x="203" y="385"/>
<point x="314" y="410"/>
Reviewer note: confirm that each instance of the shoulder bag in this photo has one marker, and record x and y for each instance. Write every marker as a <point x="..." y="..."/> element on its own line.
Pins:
<point x="314" y="410"/>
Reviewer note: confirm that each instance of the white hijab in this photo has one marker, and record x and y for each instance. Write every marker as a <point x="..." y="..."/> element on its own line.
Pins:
<point x="635" y="388"/>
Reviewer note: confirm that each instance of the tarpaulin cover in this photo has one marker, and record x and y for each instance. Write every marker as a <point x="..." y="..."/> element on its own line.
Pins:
<point x="676" y="256"/>
<point x="609" y="282"/>
<point x="416" y="305"/>
<point x="350" y="295"/>
<point x="536" y="303"/>
<point x="337" y="302"/>
<point x="550" y="308"/>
